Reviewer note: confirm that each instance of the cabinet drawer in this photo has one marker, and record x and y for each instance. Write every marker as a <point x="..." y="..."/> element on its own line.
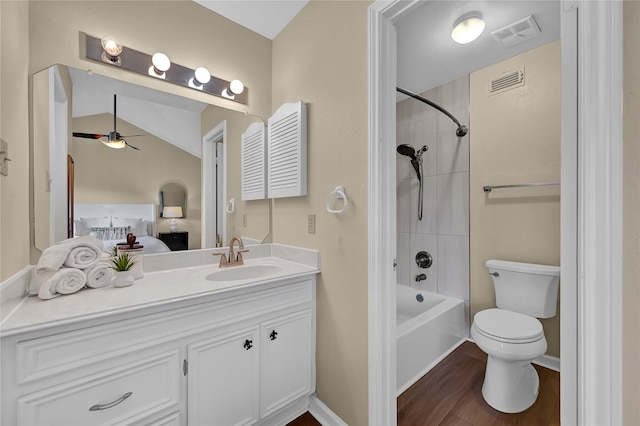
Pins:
<point x="123" y="395"/>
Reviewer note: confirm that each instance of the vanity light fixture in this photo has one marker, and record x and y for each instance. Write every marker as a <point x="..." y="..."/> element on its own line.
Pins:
<point x="160" y="64"/>
<point x="108" y="51"/>
<point x="112" y="50"/>
<point x="172" y="212"/>
<point x="467" y="28"/>
<point x="236" y="87"/>
<point x="201" y="76"/>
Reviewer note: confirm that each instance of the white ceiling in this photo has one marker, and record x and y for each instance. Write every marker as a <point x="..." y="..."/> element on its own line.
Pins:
<point x="265" y="17"/>
<point x="428" y="57"/>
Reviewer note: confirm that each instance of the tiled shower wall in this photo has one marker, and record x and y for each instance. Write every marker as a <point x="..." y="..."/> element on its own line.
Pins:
<point x="444" y="228"/>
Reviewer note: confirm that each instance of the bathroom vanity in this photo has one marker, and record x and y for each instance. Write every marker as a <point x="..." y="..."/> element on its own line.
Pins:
<point x="196" y="345"/>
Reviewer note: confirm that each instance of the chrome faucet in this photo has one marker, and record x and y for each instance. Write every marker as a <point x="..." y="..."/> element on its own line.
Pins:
<point x="233" y="259"/>
<point x="420" y="277"/>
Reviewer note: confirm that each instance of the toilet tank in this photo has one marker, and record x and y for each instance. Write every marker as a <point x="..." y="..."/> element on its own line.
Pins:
<point x="525" y="287"/>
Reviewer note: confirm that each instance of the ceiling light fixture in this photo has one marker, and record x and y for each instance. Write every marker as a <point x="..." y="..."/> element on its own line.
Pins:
<point x="468" y="27"/>
<point x="112" y="50"/>
<point x="117" y="143"/>
<point x="160" y="65"/>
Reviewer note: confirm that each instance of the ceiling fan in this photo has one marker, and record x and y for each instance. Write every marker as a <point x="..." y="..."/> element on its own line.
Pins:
<point x="113" y="139"/>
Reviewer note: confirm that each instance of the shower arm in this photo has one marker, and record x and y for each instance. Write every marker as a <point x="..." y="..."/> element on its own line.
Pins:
<point x="460" y="131"/>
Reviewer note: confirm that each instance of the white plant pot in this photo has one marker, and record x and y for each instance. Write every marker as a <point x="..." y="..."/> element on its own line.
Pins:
<point x="123" y="279"/>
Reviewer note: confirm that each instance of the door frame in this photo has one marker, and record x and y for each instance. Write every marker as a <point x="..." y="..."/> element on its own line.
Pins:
<point x="591" y="209"/>
<point x="214" y="187"/>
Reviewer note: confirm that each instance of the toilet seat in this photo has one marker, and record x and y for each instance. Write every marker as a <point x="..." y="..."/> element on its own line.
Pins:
<point x="507" y="326"/>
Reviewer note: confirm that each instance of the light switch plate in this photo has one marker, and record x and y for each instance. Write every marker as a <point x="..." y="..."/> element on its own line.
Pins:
<point x="311" y="224"/>
<point x="4" y="158"/>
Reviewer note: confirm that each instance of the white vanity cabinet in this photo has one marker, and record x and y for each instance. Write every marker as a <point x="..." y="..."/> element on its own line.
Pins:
<point x="245" y="356"/>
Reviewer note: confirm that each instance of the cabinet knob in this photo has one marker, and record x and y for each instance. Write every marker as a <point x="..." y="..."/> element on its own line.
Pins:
<point x="99" y="407"/>
<point x="273" y="335"/>
<point x="248" y="344"/>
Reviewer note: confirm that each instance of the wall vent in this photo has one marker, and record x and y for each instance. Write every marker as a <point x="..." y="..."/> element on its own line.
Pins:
<point x="507" y="81"/>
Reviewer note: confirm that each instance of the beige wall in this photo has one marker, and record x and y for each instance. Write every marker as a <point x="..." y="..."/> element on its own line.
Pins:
<point x="106" y="175"/>
<point x="515" y="138"/>
<point x="631" y="230"/>
<point x="321" y="58"/>
<point x="14" y="129"/>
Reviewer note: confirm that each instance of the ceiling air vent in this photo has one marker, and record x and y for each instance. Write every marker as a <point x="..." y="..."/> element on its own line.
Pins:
<point x="507" y="81"/>
<point x="517" y="32"/>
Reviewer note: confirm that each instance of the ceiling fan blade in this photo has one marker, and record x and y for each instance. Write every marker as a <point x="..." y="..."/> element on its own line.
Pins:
<point x="131" y="146"/>
<point x="88" y="135"/>
<point x="130" y="136"/>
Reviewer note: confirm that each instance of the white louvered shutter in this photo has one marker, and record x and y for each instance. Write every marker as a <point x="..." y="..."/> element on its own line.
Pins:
<point x="253" y="160"/>
<point x="287" y="153"/>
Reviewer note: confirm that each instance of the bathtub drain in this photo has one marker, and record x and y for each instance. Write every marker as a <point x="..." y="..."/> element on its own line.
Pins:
<point x="419" y="297"/>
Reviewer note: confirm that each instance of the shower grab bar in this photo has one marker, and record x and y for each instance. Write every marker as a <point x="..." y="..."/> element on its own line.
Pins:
<point x="460" y="131"/>
<point x="489" y="188"/>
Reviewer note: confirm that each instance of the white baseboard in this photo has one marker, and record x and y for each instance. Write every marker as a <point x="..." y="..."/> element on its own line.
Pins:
<point x="547" y="361"/>
<point x="322" y="413"/>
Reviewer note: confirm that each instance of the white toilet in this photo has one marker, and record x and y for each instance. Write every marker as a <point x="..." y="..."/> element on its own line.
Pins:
<point x="511" y="335"/>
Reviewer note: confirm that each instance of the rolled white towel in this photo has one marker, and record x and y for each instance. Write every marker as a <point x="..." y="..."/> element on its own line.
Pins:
<point x="99" y="275"/>
<point x="52" y="258"/>
<point x="84" y="252"/>
<point x="63" y="281"/>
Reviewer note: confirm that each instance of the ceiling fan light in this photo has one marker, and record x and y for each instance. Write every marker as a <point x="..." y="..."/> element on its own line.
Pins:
<point x="116" y="144"/>
<point x="468" y="27"/>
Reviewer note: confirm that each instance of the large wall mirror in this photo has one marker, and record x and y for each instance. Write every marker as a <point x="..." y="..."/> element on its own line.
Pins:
<point x="172" y="135"/>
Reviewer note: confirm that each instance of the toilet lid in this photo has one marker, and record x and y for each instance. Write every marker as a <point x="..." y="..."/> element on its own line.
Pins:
<point x="507" y="326"/>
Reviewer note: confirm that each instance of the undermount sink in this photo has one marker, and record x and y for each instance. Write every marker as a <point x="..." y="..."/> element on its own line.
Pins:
<point x="244" y="272"/>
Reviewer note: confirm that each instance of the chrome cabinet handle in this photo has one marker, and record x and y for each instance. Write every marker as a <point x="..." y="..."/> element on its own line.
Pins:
<point x="99" y="407"/>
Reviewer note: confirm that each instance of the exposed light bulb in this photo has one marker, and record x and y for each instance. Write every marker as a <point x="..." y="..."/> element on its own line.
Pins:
<point x="468" y="28"/>
<point x="202" y="76"/>
<point x="236" y="87"/>
<point x="112" y="49"/>
<point x="160" y="65"/>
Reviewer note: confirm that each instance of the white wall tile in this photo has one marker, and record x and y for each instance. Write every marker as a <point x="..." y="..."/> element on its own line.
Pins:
<point x="453" y="151"/>
<point x="420" y="110"/>
<point x="453" y="266"/>
<point x="403" y="112"/>
<point x="453" y="204"/>
<point x="404" y="170"/>
<point x="454" y="95"/>
<point x="424" y="132"/>
<point x="428" y="243"/>
<point x="403" y="253"/>
<point x="429" y="222"/>
<point x="403" y="205"/>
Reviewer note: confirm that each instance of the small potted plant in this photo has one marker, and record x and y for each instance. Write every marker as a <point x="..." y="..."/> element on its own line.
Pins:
<point x="122" y="264"/>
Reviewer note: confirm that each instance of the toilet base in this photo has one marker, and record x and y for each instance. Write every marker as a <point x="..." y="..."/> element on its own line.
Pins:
<point x="510" y="386"/>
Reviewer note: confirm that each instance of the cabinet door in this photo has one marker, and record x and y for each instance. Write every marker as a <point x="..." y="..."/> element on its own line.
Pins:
<point x="223" y="379"/>
<point x="285" y="370"/>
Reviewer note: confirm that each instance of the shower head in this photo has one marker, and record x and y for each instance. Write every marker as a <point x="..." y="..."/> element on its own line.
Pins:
<point x="407" y="150"/>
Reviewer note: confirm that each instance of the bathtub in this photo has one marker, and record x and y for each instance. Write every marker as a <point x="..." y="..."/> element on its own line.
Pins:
<point x="426" y="332"/>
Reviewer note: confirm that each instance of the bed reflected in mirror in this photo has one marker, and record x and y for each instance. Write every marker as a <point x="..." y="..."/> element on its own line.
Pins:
<point x="168" y="168"/>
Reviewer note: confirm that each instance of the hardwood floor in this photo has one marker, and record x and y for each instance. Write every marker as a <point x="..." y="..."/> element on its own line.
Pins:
<point x="451" y="394"/>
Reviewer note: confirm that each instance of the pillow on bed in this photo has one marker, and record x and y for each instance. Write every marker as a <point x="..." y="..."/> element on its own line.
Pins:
<point x="83" y="225"/>
<point x="138" y="225"/>
<point x="104" y="233"/>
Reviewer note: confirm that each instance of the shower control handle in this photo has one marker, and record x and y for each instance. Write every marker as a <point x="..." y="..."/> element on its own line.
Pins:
<point x="424" y="259"/>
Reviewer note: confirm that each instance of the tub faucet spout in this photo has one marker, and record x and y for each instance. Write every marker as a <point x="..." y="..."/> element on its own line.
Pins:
<point x="420" y="277"/>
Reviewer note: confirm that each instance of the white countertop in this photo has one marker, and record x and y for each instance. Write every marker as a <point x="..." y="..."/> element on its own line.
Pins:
<point x="161" y="289"/>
